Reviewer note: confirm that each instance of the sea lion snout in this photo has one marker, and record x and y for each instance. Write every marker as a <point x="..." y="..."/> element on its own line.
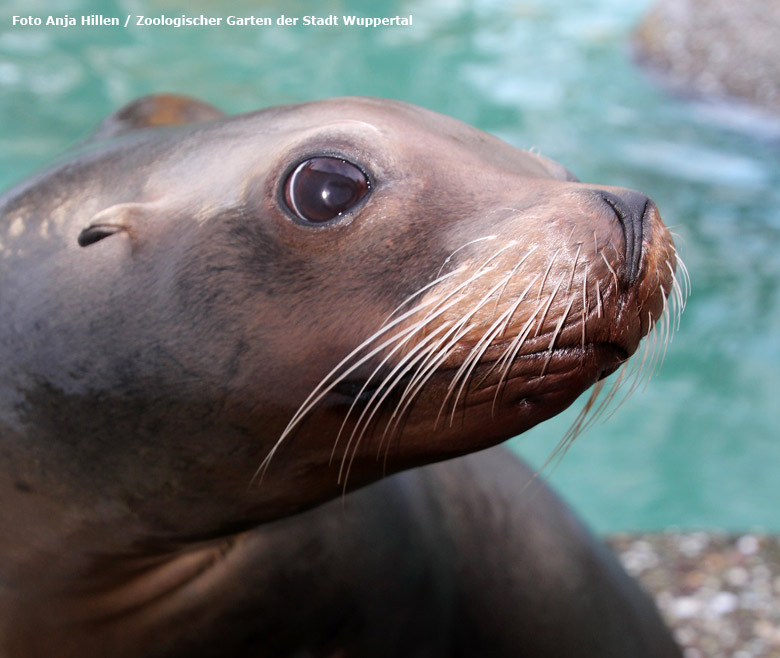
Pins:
<point x="633" y="210"/>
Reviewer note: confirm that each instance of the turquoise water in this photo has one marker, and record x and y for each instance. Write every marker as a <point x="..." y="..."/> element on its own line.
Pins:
<point x="700" y="447"/>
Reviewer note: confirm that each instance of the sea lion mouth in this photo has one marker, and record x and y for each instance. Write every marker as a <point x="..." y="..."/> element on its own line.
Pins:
<point x="491" y="375"/>
<point x="492" y="398"/>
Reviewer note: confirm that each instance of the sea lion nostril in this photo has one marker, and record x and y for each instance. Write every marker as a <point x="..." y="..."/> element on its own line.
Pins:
<point x="630" y="207"/>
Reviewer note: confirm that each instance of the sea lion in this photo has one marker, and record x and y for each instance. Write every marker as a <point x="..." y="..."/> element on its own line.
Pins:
<point x="211" y="329"/>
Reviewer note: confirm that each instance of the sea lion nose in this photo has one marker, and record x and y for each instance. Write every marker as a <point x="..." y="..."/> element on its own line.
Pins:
<point x="631" y="208"/>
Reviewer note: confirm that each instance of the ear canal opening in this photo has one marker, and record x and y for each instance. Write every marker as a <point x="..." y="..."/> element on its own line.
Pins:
<point x="96" y="232"/>
<point x="121" y="217"/>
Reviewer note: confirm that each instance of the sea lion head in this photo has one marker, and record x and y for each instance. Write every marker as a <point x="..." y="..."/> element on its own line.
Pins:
<point x="229" y="320"/>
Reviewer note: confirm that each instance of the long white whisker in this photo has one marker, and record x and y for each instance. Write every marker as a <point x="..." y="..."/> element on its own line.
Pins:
<point x="376" y="371"/>
<point x="547" y="309"/>
<point x="599" y="301"/>
<point x="435" y="358"/>
<point x="512" y="274"/>
<point x="555" y="336"/>
<point x="508" y="316"/>
<point x="513" y="349"/>
<point x="380" y="395"/>
<point x="547" y="273"/>
<point x="449" y="258"/>
<point x="614" y="275"/>
<point x="476" y="352"/>
<point x="433" y="283"/>
<point x="574" y="266"/>
<point x="423" y="376"/>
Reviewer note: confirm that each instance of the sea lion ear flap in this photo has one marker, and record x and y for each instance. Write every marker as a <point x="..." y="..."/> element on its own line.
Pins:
<point x="120" y="218"/>
<point x="154" y="111"/>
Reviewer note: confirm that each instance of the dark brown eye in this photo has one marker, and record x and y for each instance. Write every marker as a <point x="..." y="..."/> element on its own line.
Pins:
<point x="322" y="188"/>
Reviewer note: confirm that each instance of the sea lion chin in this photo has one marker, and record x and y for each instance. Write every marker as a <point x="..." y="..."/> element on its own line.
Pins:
<point x="212" y="323"/>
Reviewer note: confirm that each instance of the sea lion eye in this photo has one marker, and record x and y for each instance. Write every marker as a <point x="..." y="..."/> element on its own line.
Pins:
<point x="322" y="188"/>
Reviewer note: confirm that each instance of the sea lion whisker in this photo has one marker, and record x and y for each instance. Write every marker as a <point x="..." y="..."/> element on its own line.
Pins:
<point x="367" y="416"/>
<point x="625" y="374"/>
<point x="642" y="370"/>
<point x="666" y="326"/>
<point x="330" y="381"/>
<point x="479" y="343"/>
<point x="667" y="332"/>
<point x="575" y="429"/>
<point x="432" y="362"/>
<point x="512" y="273"/>
<point x="681" y="267"/>
<point x="384" y="390"/>
<point x="482" y="271"/>
<point x="519" y="340"/>
<point x="428" y="286"/>
<point x="420" y="325"/>
<point x="455" y="328"/>
<point x="574" y="266"/>
<point x="508" y="317"/>
<point x="555" y="336"/>
<point x="449" y="258"/>
<point x="421" y="378"/>
<point x="511" y="352"/>
<point x="472" y="361"/>
<point x="682" y="290"/>
<point x="654" y="343"/>
<point x="547" y="273"/>
<point x="374" y="406"/>
<point x="599" y="301"/>
<point x="680" y="297"/>
<point x="617" y="384"/>
<point x="420" y="361"/>
<point x="612" y="271"/>
<point x="388" y="389"/>
<point x="423" y="375"/>
<point x="479" y="305"/>
<point x="370" y="378"/>
<point x="659" y="341"/>
<point x="618" y="381"/>
<point x="547" y="309"/>
<point x="676" y="289"/>
<point x="497" y="253"/>
<point x="678" y="304"/>
<point x="584" y="310"/>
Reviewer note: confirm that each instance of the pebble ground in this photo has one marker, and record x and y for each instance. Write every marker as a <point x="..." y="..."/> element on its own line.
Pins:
<point x="719" y="593"/>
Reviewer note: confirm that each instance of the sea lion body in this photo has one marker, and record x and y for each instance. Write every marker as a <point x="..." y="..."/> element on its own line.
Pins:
<point x="193" y="358"/>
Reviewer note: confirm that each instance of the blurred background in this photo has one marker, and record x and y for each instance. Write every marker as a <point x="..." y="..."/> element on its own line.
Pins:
<point x="700" y="447"/>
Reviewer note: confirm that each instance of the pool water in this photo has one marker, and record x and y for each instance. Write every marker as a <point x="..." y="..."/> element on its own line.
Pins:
<point x="700" y="447"/>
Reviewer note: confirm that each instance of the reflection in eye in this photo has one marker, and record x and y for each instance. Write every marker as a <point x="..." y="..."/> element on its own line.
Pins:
<point x="322" y="188"/>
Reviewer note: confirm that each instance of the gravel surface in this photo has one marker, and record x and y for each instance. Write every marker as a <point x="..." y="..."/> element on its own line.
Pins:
<point x="719" y="593"/>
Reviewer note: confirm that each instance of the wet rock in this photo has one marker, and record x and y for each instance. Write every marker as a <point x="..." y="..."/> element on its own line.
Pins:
<point x="718" y="49"/>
